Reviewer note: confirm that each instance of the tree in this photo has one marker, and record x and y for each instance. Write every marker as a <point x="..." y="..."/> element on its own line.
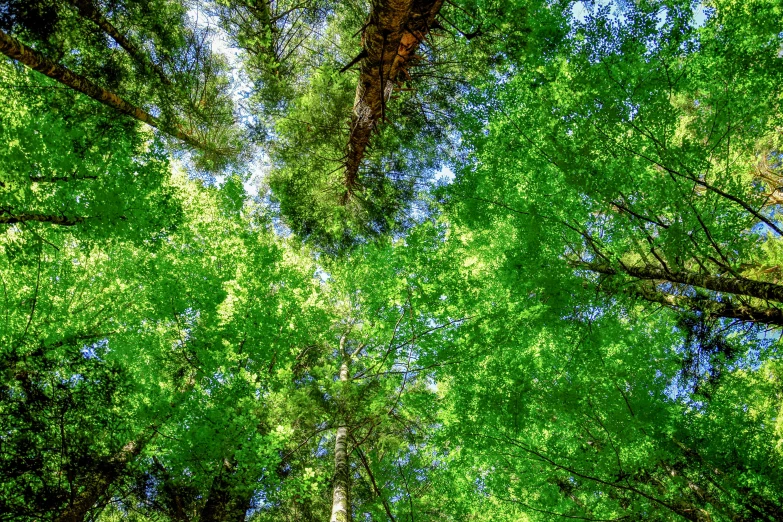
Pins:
<point x="193" y="98"/>
<point x="653" y="164"/>
<point x="616" y="174"/>
<point x="300" y="56"/>
<point x="73" y="363"/>
<point x="582" y="325"/>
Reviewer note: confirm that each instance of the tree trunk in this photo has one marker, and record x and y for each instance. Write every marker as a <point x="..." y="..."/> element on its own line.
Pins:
<point x="729" y="285"/>
<point x="392" y="35"/>
<point x="55" y="179"/>
<point x="25" y="55"/>
<point x="99" y="481"/>
<point x="341" y="493"/>
<point x="88" y="10"/>
<point x="728" y="309"/>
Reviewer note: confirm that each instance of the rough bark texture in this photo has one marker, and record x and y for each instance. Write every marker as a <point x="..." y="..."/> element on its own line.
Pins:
<point x="99" y="481"/>
<point x="341" y="492"/>
<point x="13" y="48"/>
<point x="88" y="10"/>
<point x="729" y="285"/>
<point x="341" y="504"/>
<point x="390" y="39"/>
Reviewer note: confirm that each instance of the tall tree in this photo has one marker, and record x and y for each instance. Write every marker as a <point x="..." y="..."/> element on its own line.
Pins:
<point x="191" y="102"/>
<point x="654" y="164"/>
<point x="331" y="188"/>
<point x="583" y="324"/>
<point x="617" y="172"/>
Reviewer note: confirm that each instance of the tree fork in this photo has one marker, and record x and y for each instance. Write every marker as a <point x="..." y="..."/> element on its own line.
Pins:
<point x="390" y="39"/>
<point x="31" y="58"/>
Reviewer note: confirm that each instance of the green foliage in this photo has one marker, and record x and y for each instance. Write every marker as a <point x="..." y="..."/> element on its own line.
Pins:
<point x="583" y="324"/>
<point x="67" y="158"/>
<point x="169" y="71"/>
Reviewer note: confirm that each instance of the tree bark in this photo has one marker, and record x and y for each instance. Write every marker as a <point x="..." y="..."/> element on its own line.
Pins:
<point x="729" y="285"/>
<point x="392" y="35"/>
<point x="88" y="10"/>
<point x="31" y="58"/>
<point x="341" y="492"/>
<point x="729" y="310"/>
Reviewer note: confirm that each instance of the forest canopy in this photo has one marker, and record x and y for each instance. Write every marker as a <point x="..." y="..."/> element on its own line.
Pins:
<point x="391" y="260"/>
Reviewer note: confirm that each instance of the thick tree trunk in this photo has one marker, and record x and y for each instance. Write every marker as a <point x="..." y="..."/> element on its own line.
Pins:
<point x="100" y="481"/>
<point x="392" y="35"/>
<point x="88" y="10"/>
<point x="341" y="492"/>
<point x="25" y="55"/>
<point x="341" y="501"/>
<point x="729" y="285"/>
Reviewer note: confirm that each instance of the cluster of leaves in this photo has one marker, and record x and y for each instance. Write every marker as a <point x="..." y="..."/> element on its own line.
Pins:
<point x="620" y="214"/>
<point x="70" y="162"/>
<point x="587" y="328"/>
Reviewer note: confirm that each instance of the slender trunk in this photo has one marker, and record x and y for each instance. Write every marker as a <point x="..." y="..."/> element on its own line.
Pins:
<point x="55" y="179"/>
<point x="88" y="10"/>
<point x="375" y="487"/>
<point x="392" y="35"/>
<point x="729" y="285"/>
<point x="31" y="58"/>
<point x="341" y="493"/>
